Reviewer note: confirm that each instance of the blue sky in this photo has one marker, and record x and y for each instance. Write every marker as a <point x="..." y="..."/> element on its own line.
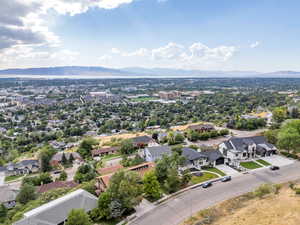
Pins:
<point x="259" y="35"/>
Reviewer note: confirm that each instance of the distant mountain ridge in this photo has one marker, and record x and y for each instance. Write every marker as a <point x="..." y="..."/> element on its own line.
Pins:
<point x="140" y="72"/>
<point x="63" y="70"/>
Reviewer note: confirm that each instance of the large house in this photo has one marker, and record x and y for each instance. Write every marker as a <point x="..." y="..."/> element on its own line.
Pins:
<point x="57" y="158"/>
<point x="102" y="182"/>
<point x="56" y="212"/>
<point x="195" y="159"/>
<point x="236" y="149"/>
<point x="104" y="151"/>
<point x="142" y="141"/>
<point x="23" y="167"/>
<point x="151" y="154"/>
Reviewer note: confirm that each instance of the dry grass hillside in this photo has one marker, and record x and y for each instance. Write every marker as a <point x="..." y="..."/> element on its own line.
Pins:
<point x="282" y="208"/>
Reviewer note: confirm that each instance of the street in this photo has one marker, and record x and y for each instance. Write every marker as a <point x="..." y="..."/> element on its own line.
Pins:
<point x="177" y="209"/>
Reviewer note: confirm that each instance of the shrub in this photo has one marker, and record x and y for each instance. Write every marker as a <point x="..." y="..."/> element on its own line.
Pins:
<point x="266" y="189"/>
<point x="297" y="191"/>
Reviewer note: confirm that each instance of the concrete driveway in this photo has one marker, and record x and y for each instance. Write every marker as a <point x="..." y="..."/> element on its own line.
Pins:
<point x="228" y="170"/>
<point x="2" y="178"/>
<point x="278" y="160"/>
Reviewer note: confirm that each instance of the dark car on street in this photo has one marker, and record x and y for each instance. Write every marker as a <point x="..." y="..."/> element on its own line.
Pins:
<point x="225" y="179"/>
<point x="274" y="167"/>
<point x="207" y="184"/>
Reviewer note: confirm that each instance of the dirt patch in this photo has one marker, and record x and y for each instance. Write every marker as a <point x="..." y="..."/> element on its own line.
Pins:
<point x="106" y="139"/>
<point x="184" y="127"/>
<point x="273" y="209"/>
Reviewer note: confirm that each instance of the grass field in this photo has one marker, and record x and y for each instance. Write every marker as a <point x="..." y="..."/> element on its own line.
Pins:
<point x="205" y="177"/>
<point x="261" y="161"/>
<point x="250" y="165"/>
<point x="11" y="178"/>
<point x="273" y="209"/>
<point x="215" y="170"/>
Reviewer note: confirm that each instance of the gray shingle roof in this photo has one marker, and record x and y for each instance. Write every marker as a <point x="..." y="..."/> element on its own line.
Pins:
<point x="157" y="151"/>
<point x="57" y="211"/>
<point x="213" y="155"/>
<point x="7" y="194"/>
<point x="241" y="144"/>
<point x="142" y="139"/>
<point x="192" y="154"/>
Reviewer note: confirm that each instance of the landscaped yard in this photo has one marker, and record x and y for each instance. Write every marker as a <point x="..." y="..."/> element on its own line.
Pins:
<point x="250" y="165"/>
<point x="110" y="156"/>
<point x="11" y="178"/>
<point x="205" y="177"/>
<point x="263" y="162"/>
<point x="215" y="170"/>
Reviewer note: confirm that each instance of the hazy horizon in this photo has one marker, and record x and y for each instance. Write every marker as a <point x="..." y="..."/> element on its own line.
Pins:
<point x="215" y="35"/>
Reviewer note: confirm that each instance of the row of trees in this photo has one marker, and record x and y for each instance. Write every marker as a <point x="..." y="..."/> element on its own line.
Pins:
<point x="193" y="135"/>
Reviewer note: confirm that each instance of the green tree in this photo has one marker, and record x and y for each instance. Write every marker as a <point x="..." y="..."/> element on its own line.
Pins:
<point x="63" y="176"/>
<point x="152" y="188"/>
<point x="45" y="156"/>
<point x="123" y="194"/>
<point x="71" y="159"/>
<point x="289" y="136"/>
<point x="166" y="163"/>
<point x="173" y="181"/>
<point x="86" y="146"/>
<point x="84" y="173"/>
<point x="64" y="160"/>
<point x="279" y="114"/>
<point x="3" y="213"/>
<point x="78" y="217"/>
<point x="26" y="194"/>
<point x="127" y="147"/>
<point x="224" y="132"/>
<point x="271" y="136"/>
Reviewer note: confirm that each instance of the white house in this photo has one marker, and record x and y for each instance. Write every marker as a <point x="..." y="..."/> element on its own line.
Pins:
<point x="236" y="150"/>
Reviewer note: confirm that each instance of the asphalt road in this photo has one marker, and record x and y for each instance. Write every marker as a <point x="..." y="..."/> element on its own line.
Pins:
<point x="176" y="210"/>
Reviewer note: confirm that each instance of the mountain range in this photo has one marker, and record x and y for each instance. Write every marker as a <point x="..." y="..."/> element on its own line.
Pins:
<point x="138" y="72"/>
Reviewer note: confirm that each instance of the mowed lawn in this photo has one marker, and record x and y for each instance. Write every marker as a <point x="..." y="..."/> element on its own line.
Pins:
<point x="250" y="165"/>
<point x="263" y="162"/>
<point x="205" y="177"/>
<point x="215" y="170"/>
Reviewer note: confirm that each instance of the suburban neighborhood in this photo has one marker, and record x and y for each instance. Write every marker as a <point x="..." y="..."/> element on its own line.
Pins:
<point x="115" y="155"/>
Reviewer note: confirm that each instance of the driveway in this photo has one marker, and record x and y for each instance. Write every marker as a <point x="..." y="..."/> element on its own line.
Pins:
<point x="181" y="207"/>
<point x="228" y="170"/>
<point x="2" y="178"/>
<point x="278" y="160"/>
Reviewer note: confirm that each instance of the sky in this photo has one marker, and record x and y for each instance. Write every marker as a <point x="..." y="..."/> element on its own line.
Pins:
<point x="256" y="35"/>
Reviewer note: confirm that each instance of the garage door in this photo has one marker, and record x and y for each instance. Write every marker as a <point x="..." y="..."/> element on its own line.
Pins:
<point x="220" y="161"/>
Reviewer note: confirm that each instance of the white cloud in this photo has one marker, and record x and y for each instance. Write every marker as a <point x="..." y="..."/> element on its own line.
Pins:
<point x="255" y="44"/>
<point x="170" y="51"/>
<point x="140" y="52"/>
<point x="24" y="22"/>
<point x="176" y="54"/>
<point x="105" y="58"/>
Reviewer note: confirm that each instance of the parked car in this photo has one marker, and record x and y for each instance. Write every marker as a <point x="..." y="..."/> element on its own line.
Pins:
<point x="225" y="179"/>
<point x="207" y="184"/>
<point x="274" y="167"/>
<point x="57" y="172"/>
